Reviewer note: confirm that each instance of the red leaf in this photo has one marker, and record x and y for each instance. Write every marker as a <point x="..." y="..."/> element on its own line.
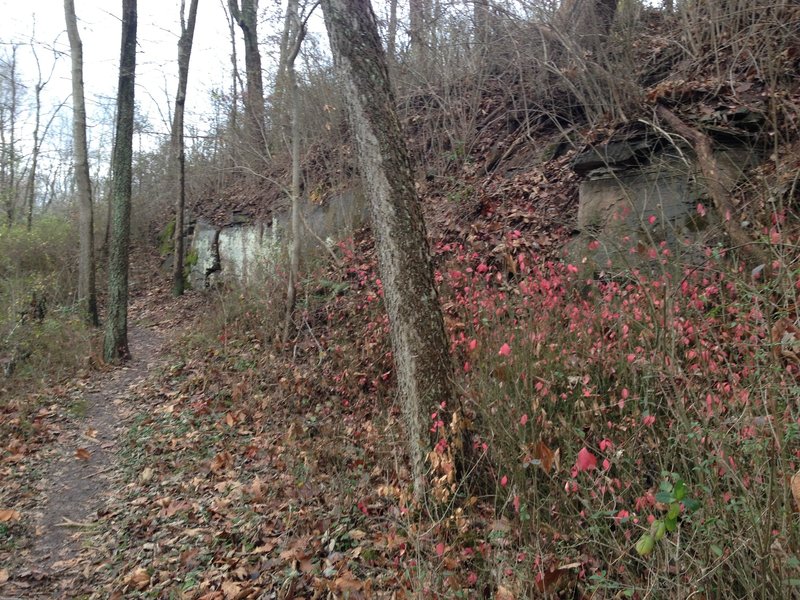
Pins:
<point x="586" y="460"/>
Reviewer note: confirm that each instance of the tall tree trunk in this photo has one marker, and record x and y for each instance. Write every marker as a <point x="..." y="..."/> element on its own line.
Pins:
<point x="87" y="294"/>
<point x="178" y="146"/>
<point x="235" y="78"/>
<point x="298" y="30"/>
<point x="419" y="17"/>
<point x="31" y="190"/>
<point x="480" y="18"/>
<point x="587" y="22"/>
<point x="245" y="12"/>
<point x="116" y="335"/>
<point x="11" y="198"/>
<point x="391" y="36"/>
<point x="415" y="318"/>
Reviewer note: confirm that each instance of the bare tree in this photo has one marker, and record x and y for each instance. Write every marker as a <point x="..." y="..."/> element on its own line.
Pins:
<point x="116" y="335"/>
<point x="417" y="331"/>
<point x="178" y="146"/>
<point x="87" y="295"/>
<point x="480" y="18"/>
<point x="419" y="12"/>
<point x="391" y="34"/>
<point x="294" y="33"/>
<point x="235" y="76"/>
<point x="9" y="108"/>
<point x="245" y="12"/>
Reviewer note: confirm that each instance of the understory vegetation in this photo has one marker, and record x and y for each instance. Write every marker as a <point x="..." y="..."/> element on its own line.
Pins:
<point x="631" y="436"/>
<point x="41" y="333"/>
<point x="628" y="416"/>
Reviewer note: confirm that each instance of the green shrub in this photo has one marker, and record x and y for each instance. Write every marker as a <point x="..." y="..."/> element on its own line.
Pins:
<point x="42" y="339"/>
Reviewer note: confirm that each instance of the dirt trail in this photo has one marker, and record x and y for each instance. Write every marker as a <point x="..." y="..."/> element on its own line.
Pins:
<point x="76" y="481"/>
<point x="75" y="474"/>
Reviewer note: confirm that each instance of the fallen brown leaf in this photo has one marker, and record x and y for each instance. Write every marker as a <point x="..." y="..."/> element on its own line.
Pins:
<point x="9" y="515"/>
<point x="138" y="579"/>
<point x="221" y="461"/>
<point x="146" y="475"/>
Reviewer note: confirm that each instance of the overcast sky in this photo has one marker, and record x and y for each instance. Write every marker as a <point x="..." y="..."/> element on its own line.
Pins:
<point x="99" y="26"/>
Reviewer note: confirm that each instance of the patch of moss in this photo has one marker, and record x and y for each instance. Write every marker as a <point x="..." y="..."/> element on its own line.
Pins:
<point x="191" y="259"/>
<point x="166" y="239"/>
<point x="188" y="264"/>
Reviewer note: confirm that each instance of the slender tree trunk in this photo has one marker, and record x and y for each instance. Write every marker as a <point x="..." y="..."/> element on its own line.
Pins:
<point x="109" y="204"/>
<point x="419" y="16"/>
<point x="587" y="22"/>
<point x="12" y="142"/>
<point x="236" y="80"/>
<point x="480" y="18"/>
<point x="391" y="41"/>
<point x="178" y="146"/>
<point x="31" y="191"/>
<point x="116" y="336"/>
<point x="417" y="331"/>
<point x="87" y="294"/>
<point x="299" y="31"/>
<point x="3" y="157"/>
<point x="245" y="12"/>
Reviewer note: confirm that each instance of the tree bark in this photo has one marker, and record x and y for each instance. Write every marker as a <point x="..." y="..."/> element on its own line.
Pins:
<point x="235" y="77"/>
<point x="87" y="293"/>
<point x="417" y="330"/>
<point x="245" y="12"/>
<point x="480" y="18"/>
<point x="178" y="146"/>
<point x="116" y="335"/>
<point x="419" y="12"/>
<point x="391" y="36"/>
<point x="587" y="22"/>
<point x="37" y="92"/>
<point x="298" y="32"/>
<point x="10" y="145"/>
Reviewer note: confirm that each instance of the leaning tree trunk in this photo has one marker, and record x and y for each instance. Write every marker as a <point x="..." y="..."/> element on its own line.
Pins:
<point x="87" y="294"/>
<point x="116" y="339"/>
<point x="178" y="145"/>
<point x="415" y="318"/>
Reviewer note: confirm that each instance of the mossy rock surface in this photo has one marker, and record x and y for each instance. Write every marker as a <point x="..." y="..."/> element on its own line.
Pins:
<point x="166" y="239"/>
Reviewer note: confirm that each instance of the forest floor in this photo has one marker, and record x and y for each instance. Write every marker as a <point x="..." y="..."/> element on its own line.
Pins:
<point x="193" y="472"/>
<point x="56" y="486"/>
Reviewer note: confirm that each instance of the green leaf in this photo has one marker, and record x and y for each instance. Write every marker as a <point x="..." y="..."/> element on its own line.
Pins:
<point x="671" y="525"/>
<point x="691" y="504"/>
<point x="680" y="490"/>
<point x="645" y="545"/>
<point x="665" y="497"/>
<point x="658" y="529"/>
<point x="674" y="511"/>
<point x="717" y="550"/>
